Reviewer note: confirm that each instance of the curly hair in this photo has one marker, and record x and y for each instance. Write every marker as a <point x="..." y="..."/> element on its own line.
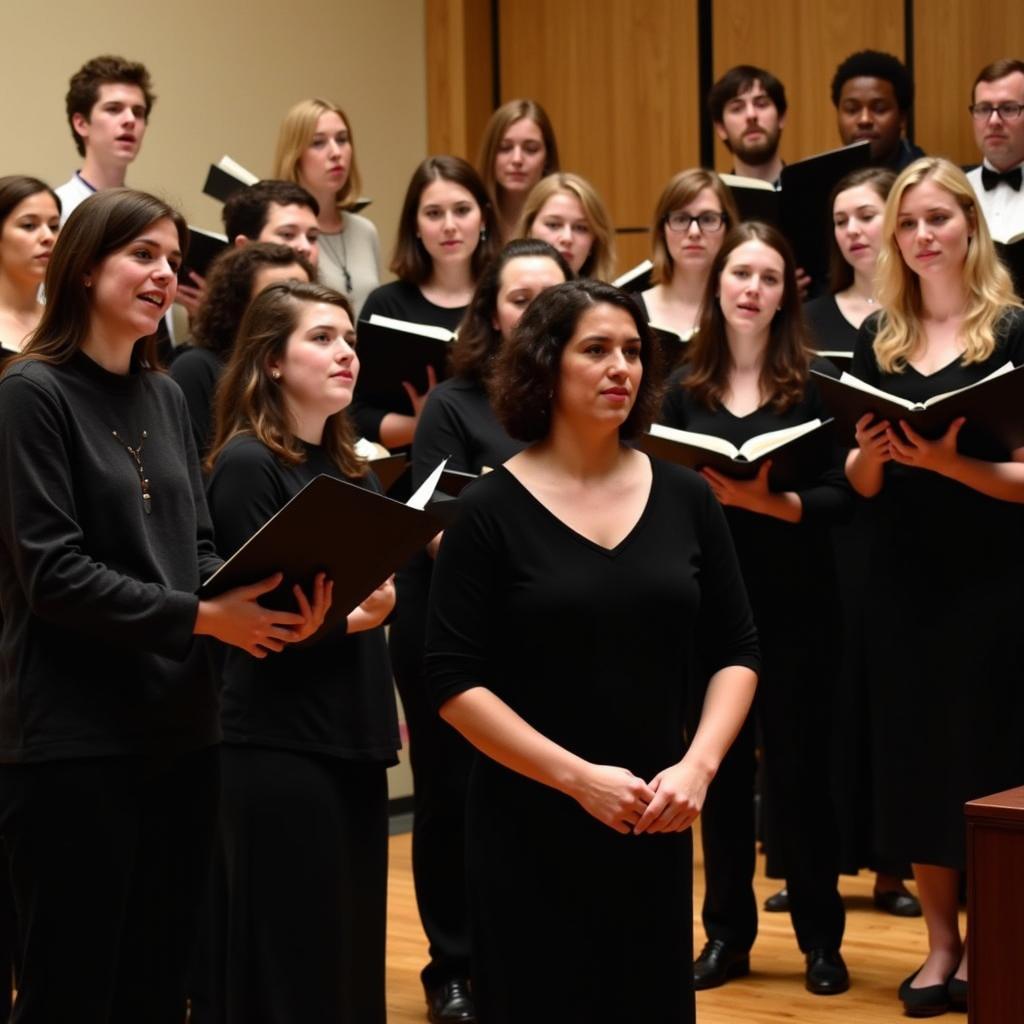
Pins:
<point x="875" y="64"/>
<point x="478" y="339"/>
<point x="229" y="290"/>
<point x="84" y="88"/>
<point x="247" y="211"/>
<point x="525" y="378"/>
<point x="787" y="360"/>
<point x="250" y="402"/>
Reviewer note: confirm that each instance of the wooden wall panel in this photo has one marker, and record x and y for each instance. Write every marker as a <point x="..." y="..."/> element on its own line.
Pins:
<point x="620" y="82"/>
<point x="459" y="74"/>
<point x="953" y="41"/>
<point x="802" y="42"/>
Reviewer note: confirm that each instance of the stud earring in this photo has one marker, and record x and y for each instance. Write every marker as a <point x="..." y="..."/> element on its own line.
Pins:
<point x="276" y="374"/>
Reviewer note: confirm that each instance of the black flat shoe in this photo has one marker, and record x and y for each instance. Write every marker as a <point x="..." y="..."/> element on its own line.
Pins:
<point x="826" y="973"/>
<point x="898" y="903"/>
<point x="451" y="1003"/>
<point x="718" y="963"/>
<point x="929" y="1001"/>
<point x="778" y="903"/>
<point x="957" y="991"/>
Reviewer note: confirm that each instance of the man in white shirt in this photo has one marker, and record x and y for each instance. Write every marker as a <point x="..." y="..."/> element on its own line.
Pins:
<point x="997" y="110"/>
<point x="108" y="104"/>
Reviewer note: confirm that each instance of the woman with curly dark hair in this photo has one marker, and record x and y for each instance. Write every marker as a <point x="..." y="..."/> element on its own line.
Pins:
<point x="561" y="643"/>
<point x="457" y="422"/>
<point x="238" y="276"/>
<point x="747" y="372"/>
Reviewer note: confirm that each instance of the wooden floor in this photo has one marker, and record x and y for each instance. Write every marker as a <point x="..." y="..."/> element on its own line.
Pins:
<point x="880" y="951"/>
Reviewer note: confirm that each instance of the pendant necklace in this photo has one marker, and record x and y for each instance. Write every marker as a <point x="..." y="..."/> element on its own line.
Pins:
<point x="136" y="456"/>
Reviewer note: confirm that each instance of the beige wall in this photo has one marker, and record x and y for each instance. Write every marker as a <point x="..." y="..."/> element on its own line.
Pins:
<point x="224" y="72"/>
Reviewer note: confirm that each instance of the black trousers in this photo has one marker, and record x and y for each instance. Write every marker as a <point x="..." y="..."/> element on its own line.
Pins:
<point x="441" y="760"/>
<point x="800" y="825"/>
<point x="108" y="859"/>
<point x="305" y="848"/>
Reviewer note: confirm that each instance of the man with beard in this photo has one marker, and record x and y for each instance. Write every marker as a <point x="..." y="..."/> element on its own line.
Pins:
<point x="748" y="108"/>
<point x="873" y="93"/>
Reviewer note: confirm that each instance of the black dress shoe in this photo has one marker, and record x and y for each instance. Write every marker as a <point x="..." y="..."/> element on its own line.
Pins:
<point x="718" y="963"/>
<point x="956" y="988"/>
<point x="929" y="1001"/>
<point x="826" y="973"/>
<point x="451" y="1003"/>
<point x="778" y="903"/>
<point x="898" y="902"/>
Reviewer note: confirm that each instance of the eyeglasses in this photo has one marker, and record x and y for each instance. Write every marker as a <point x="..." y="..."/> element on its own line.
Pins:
<point x="1007" y="111"/>
<point x="708" y="221"/>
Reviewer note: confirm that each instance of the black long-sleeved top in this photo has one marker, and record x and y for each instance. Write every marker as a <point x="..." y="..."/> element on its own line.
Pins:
<point x="333" y="697"/>
<point x="593" y="647"/>
<point x="196" y="372"/>
<point x="98" y="598"/>
<point x="399" y="300"/>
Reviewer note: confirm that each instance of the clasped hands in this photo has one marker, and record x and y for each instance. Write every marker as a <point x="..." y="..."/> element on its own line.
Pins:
<point x="670" y="802"/>
<point x="880" y="443"/>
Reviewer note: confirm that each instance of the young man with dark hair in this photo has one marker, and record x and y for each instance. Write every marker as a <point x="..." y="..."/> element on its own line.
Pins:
<point x="997" y="110"/>
<point x="748" y="109"/>
<point x="873" y="93"/>
<point x="274" y="211"/>
<point x="108" y="104"/>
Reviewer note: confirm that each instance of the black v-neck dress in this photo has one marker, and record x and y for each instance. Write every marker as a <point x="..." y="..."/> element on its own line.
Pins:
<point x="594" y="648"/>
<point x="944" y="647"/>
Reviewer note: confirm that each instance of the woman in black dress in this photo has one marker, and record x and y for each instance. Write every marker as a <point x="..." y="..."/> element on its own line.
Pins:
<point x="446" y="237"/>
<point x="943" y="660"/>
<point x="747" y="373"/>
<point x="457" y="423"/>
<point x="307" y="736"/>
<point x="108" y="712"/>
<point x="566" y="608"/>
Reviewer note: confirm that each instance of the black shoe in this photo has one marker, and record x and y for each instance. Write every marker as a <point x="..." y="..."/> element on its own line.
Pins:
<point x="898" y="902"/>
<point x="451" y="1003"/>
<point x="826" y="972"/>
<point x="718" y="963"/>
<point x="956" y="989"/>
<point x="924" y="1002"/>
<point x="779" y="903"/>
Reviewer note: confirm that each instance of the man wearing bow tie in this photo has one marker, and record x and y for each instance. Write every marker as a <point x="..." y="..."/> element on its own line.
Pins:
<point x="997" y="111"/>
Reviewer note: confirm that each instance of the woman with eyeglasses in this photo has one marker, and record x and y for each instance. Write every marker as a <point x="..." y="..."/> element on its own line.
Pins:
<point x="690" y="222"/>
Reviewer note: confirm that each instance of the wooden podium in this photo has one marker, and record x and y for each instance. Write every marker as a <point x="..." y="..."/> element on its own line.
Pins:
<point x="995" y="908"/>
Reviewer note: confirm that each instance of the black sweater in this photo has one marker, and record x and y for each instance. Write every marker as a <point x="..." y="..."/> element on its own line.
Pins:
<point x="98" y="598"/>
<point x="196" y="371"/>
<point x="333" y="697"/>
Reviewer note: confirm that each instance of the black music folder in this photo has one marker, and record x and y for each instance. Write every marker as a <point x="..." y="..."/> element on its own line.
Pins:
<point x="391" y="351"/>
<point x="357" y="537"/>
<point x="797" y="453"/>
<point x="203" y="248"/>
<point x="993" y="407"/>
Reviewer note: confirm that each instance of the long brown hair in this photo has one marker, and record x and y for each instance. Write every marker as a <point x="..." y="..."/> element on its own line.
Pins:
<point x="102" y="224"/>
<point x="501" y="120"/>
<point x="787" y="360"/>
<point x="249" y="402"/>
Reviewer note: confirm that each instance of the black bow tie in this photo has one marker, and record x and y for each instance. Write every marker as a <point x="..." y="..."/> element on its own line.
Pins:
<point x="990" y="178"/>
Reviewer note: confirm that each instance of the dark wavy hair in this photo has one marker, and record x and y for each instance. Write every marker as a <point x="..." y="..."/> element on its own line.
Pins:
<point x="527" y="368"/>
<point x="249" y="401"/>
<point x="99" y="226"/>
<point x="410" y="261"/>
<point x="478" y="339"/>
<point x="787" y="361"/>
<point x="738" y="80"/>
<point x="84" y="88"/>
<point x="229" y="290"/>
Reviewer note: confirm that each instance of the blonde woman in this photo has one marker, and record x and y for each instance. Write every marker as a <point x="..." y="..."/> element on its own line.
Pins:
<point x="517" y="150"/>
<point x="315" y="149"/>
<point x="691" y="219"/>
<point x="942" y="654"/>
<point x="565" y="211"/>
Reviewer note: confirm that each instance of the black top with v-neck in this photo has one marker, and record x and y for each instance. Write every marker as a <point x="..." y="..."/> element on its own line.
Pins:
<point x="591" y="646"/>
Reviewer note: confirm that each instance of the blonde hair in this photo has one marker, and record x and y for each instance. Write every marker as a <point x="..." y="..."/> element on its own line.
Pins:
<point x="681" y="190"/>
<point x="600" y="261"/>
<point x="293" y="139"/>
<point x="988" y="285"/>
